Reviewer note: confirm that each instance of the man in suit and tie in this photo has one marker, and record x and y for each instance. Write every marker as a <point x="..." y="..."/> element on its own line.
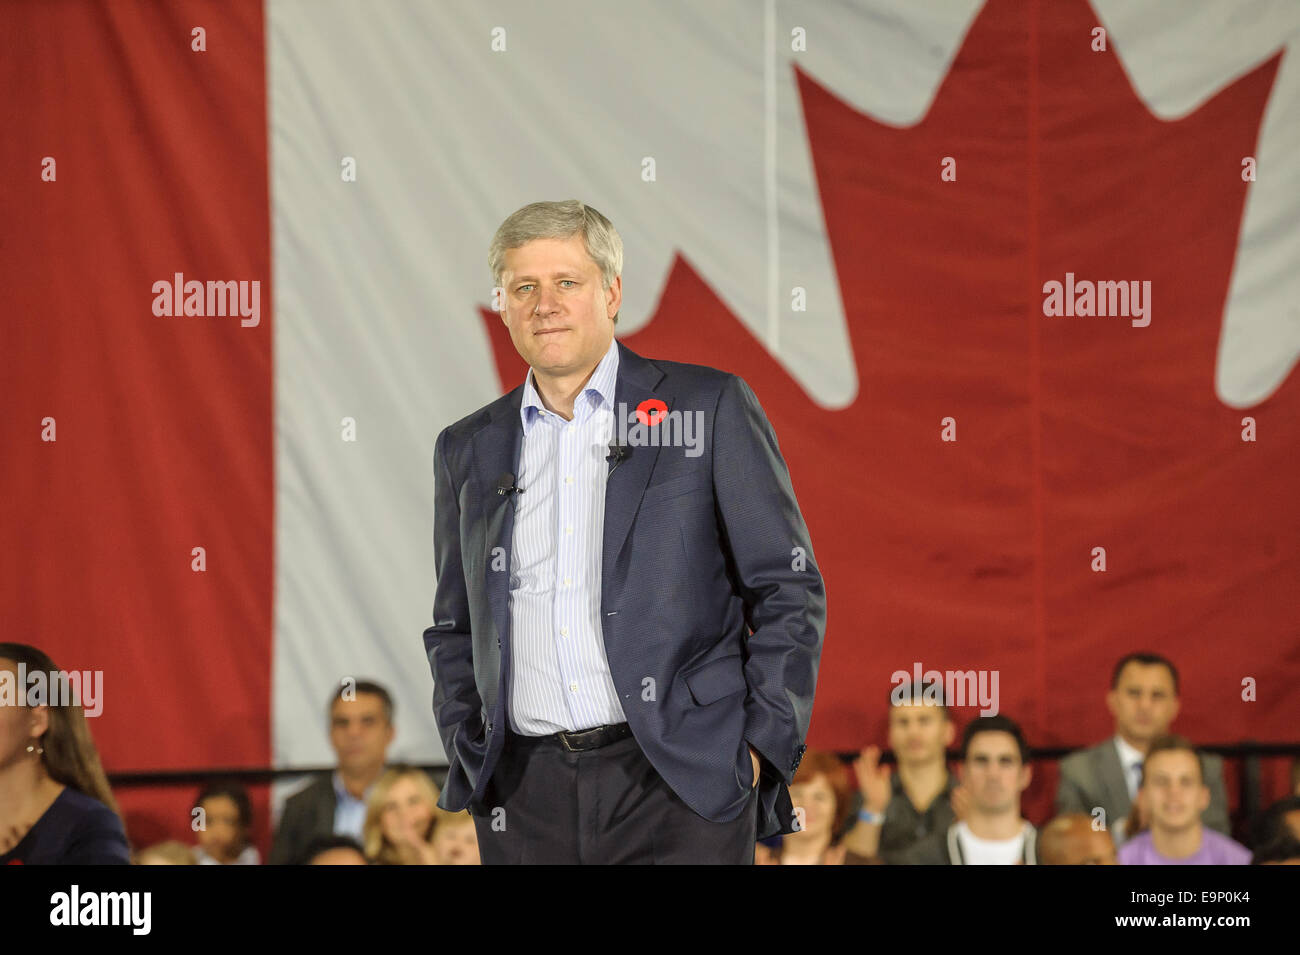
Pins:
<point x="607" y="536"/>
<point x="1143" y="700"/>
<point x="361" y="730"/>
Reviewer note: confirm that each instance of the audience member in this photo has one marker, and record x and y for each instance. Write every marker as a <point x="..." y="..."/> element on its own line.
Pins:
<point x="1075" y="840"/>
<point x="821" y="796"/>
<point x="455" y="840"/>
<point x="994" y="772"/>
<point x="55" y="804"/>
<point x="891" y="811"/>
<point x="1277" y="823"/>
<point x="170" y="852"/>
<point x="361" y="729"/>
<point x="1284" y="850"/>
<point x="334" y="850"/>
<point x="1143" y="700"/>
<point x="223" y="825"/>
<point x="1173" y="796"/>
<point x="400" y="819"/>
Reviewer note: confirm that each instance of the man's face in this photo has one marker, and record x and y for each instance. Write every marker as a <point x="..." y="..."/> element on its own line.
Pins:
<point x="993" y="772"/>
<point x="1143" y="702"/>
<point x="1174" y="792"/>
<point x="1081" y="845"/>
<point x="560" y="318"/>
<point x="341" y="856"/>
<point x="360" y="733"/>
<point x="1292" y="820"/>
<point x="918" y="733"/>
<point x="1097" y="848"/>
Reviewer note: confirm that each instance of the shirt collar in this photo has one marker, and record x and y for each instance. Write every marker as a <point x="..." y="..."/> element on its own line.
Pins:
<point x="599" y="389"/>
<point x="1127" y="755"/>
<point x="341" y="792"/>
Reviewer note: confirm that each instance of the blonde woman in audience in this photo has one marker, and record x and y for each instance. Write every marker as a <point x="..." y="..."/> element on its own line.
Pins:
<point x="455" y="840"/>
<point x="400" y="818"/>
<point x="170" y="852"/>
<point x="822" y="798"/>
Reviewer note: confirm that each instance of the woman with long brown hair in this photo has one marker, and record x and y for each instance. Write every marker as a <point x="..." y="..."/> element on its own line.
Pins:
<point x="55" y="804"/>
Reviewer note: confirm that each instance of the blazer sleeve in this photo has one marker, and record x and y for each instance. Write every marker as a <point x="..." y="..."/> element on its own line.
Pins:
<point x="457" y="707"/>
<point x="286" y="843"/>
<point x="1069" y="794"/>
<point x="303" y="820"/>
<point x="1216" y="814"/>
<point x="771" y="557"/>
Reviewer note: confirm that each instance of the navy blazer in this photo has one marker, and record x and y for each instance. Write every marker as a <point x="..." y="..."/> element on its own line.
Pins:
<point x="698" y="552"/>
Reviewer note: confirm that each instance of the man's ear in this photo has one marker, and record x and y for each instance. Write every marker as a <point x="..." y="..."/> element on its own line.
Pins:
<point x="949" y="735"/>
<point x="1026" y="775"/>
<point x="614" y="297"/>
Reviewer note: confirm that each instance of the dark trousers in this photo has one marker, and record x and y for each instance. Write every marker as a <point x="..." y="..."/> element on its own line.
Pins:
<point x="605" y="806"/>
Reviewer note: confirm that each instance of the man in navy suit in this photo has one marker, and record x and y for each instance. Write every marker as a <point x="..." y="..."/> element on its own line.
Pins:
<point x="607" y="536"/>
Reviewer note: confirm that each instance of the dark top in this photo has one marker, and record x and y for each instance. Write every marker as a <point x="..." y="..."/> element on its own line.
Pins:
<point x="903" y="825"/>
<point x="76" y="830"/>
<point x="308" y="816"/>
<point x="944" y="848"/>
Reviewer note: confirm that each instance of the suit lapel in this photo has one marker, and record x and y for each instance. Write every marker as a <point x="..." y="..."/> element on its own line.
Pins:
<point x="496" y="452"/>
<point x="637" y="381"/>
<point x="1113" y="779"/>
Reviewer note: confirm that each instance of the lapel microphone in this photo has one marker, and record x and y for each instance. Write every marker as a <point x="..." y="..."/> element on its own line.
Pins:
<point x="506" y="485"/>
<point x="618" y="453"/>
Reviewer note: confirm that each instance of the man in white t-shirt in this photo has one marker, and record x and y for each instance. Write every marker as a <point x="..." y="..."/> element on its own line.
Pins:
<point x="994" y="771"/>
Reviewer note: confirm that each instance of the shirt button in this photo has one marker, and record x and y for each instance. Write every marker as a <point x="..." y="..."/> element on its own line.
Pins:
<point x="568" y="529"/>
<point x="568" y="581"/>
<point x="564" y="631"/>
<point x="568" y="479"/>
<point x="573" y="688"/>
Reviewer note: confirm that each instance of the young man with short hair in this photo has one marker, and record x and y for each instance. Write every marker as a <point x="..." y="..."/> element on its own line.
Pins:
<point x="894" y="810"/>
<point x="1174" y="795"/>
<point x="995" y="772"/>
<point x="1143" y="700"/>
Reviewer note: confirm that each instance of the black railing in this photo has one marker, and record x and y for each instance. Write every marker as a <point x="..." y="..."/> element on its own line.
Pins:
<point x="1250" y="754"/>
<point x="259" y="774"/>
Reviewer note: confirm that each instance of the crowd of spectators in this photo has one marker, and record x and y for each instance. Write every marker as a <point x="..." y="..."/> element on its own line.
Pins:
<point x="1144" y="796"/>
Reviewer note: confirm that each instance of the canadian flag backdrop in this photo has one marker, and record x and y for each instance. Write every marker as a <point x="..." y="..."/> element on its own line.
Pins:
<point x="776" y="172"/>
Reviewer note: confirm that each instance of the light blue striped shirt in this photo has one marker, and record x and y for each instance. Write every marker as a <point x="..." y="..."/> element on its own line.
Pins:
<point x="349" y="811"/>
<point x="559" y="676"/>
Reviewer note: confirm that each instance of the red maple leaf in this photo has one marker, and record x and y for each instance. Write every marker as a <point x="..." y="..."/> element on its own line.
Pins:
<point x="1073" y="433"/>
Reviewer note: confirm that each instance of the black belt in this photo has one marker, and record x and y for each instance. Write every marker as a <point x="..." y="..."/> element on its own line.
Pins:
<point x="579" y="740"/>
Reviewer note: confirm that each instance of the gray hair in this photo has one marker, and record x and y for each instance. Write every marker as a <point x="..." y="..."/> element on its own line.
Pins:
<point x="559" y="220"/>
